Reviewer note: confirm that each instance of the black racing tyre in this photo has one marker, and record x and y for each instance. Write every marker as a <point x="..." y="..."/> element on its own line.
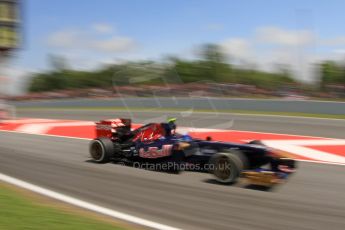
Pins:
<point x="227" y="166"/>
<point x="101" y="150"/>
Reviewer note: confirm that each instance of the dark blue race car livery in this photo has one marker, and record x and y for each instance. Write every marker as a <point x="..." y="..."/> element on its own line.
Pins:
<point x="158" y="146"/>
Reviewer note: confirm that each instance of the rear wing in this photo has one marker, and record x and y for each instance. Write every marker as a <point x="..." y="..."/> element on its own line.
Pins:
<point x="107" y="128"/>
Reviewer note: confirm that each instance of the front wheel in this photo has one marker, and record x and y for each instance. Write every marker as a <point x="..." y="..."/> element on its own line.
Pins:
<point x="227" y="166"/>
<point x="101" y="150"/>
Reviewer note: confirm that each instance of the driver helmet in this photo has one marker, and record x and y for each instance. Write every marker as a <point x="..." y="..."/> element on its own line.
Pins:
<point x="171" y="123"/>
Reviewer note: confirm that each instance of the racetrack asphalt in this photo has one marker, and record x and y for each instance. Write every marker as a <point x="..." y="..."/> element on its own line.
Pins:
<point x="196" y="102"/>
<point x="312" y="199"/>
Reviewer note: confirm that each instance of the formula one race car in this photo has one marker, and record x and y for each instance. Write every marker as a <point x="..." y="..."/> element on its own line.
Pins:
<point x="159" y="147"/>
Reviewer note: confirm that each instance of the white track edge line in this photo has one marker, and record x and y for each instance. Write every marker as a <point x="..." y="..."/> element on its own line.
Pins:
<point x="321" y="162"/>
<point x="84" y="204"/>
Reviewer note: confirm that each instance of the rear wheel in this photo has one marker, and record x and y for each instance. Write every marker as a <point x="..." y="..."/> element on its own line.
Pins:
<point x="101" y="150"/>
<point x="227" y="166"/>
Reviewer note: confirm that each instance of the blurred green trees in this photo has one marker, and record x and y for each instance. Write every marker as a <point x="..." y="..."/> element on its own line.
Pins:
<point x="331" y="73"/>
<point x="211" y="65"/>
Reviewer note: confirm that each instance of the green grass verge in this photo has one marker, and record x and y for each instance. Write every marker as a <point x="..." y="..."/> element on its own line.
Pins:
<point x="145" y="109"/>
<point x="18" y="211"/>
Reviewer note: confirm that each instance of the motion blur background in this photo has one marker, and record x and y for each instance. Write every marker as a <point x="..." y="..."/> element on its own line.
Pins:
<point x="237" y="66"/>
<point x="261" y="49"/>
